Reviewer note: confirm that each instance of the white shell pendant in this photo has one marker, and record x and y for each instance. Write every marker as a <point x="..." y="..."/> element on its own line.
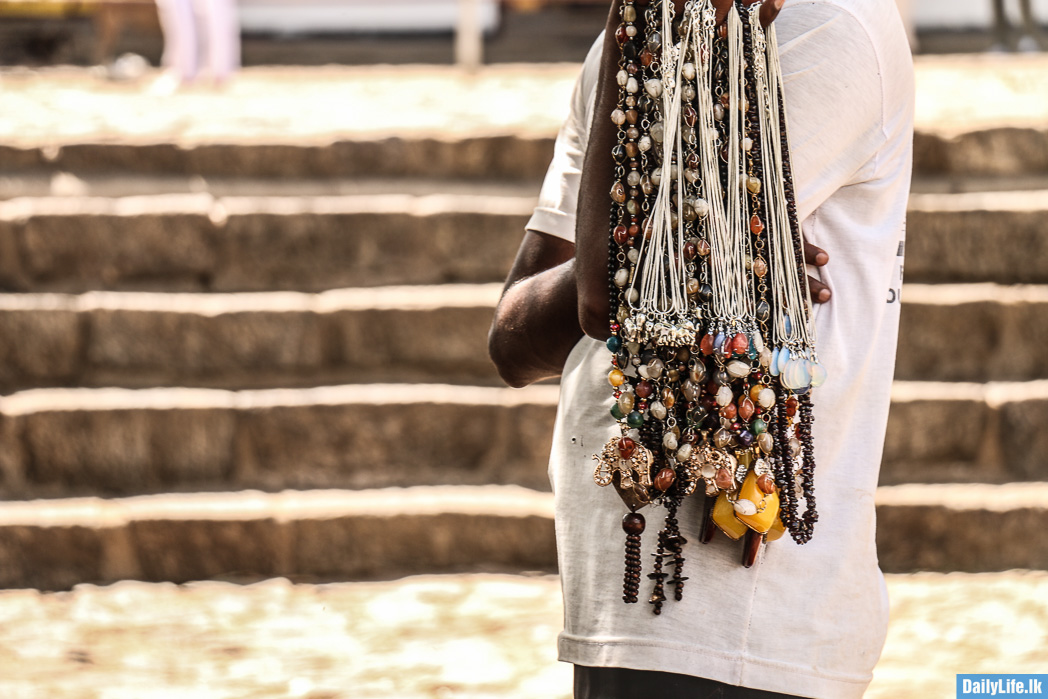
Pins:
<point x="745" y="507"/>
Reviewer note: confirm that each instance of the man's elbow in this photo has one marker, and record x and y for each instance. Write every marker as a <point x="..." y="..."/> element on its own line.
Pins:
<point x="593" y="316"/>
<point x="509" y="370"/>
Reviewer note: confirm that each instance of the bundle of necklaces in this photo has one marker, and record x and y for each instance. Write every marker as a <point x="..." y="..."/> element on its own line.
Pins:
<point x="712" y="339"/>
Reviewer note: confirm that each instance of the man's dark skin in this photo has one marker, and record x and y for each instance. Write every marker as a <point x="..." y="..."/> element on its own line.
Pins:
<point x="557" y="291"/>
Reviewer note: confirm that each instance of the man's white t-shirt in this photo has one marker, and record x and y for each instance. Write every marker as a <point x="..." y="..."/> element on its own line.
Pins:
<point x="806" y="620"/>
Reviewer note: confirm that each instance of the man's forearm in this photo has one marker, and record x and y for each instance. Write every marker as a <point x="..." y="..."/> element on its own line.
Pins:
<point x="536" y="326"/>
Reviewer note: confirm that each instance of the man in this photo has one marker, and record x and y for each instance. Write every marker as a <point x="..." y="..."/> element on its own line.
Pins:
<point x="806" y="620"/>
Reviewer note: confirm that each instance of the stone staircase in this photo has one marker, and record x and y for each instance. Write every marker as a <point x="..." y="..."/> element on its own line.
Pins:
<point x="246" y="360"/>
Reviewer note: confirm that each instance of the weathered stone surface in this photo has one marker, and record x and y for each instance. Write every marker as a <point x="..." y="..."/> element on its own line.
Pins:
<point x="930" y="439"/>
<point x="363" y="437"/>
<point x="389" y="533"/>
<point x="139" y="158"/>
<point x="54" y="557"/>
<point x="73" y="253"/>
<point x="13" y="275"/>
<point x="312" y="252"/>
<point x="1023" y="439"/>
<point x="155" y="346"/>
<point x="246" y="534"/>
<point x="938" y="538"/>
<point x="413" y="344"/>
<point x="125" y="451"/>
<point x="375" y="446"/>
<point x="277" y="440"/>
<point x="20" y="159"/>
<point x="995" y="151"/>
<point x="209" y="342"/>
<point x="197" y="549"/>
<point x="482" y="157"/>
<point x="1006" y="247"/>
<point x="972" y="341"/>
<point x="40" y="347"/>
<point x="369" y="547"/>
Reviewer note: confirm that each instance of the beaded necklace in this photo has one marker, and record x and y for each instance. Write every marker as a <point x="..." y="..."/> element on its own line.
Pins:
<point x="712" y="337"/>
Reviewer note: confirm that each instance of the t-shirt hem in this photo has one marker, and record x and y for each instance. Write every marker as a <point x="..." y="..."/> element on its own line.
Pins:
<point x="553" y="222"/>
<point x="739" y="670"/>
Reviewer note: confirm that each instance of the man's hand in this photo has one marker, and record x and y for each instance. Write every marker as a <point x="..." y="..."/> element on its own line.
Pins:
<point x="769" y="9"/>
<point x="820" y="293"/>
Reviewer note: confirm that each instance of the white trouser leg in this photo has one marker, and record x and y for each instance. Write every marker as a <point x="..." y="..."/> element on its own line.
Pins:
<point x="222" y="30"/>
<point x="180" y="37"/>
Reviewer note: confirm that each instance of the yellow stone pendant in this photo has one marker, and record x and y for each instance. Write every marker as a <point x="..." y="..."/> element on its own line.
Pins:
<point x="725" y="519"/>
<point x="776" y="531"/>
<point x="767" y="506"/>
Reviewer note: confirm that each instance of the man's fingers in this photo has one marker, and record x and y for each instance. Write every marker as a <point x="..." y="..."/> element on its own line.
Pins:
<point x="722" y="7"/>
<point x="815" y="255"/>
<point x="770" y="10"/>
<point x="820" y="293"/>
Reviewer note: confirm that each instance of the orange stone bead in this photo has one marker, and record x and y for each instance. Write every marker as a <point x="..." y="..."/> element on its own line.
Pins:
<point x="723" y="479"/>
<point x="740" y="344"/>
<point x="626" y="447"/>
<point x="706" y="345"/>
<point x="664" y="479"/>
<point x="756" y="225"/>
<point x="729" y="411"/>
<point x="616" y="377"/>
<point x="746" y="409"/>
<point x="756" y="391"/>
<point x="766" y="483"/>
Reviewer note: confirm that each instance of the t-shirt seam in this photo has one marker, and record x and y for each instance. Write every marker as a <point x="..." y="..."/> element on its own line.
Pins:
<point x="739" y="658"/>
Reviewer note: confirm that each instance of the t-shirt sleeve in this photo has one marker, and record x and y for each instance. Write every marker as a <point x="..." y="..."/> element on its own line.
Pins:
<point x="834" y="100"/>
<point x="558" y="198"/>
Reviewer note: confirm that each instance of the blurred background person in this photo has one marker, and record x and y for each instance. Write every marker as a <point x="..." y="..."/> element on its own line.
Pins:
<point x="1004" y="33"/>
<point x="199" y="36"/>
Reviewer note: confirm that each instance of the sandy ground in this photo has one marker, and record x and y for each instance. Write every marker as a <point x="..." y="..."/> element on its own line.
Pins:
<point x="67" y="105"/>
<point x="433" y="636"/>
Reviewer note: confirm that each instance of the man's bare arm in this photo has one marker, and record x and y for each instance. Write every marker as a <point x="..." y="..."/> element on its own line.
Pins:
<point x="536" y="322"/>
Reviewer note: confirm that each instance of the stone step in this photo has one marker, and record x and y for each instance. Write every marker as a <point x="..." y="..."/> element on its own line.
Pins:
<point x="974" y="332"/>
<point x="990" y="151"/>
<point x="398" y="334"/>
<point x="990" y="236"/>
<point x="55" y="544"/>
<point x="370" y="235"/>
<point x="119" y="442"/>
<point x="199" y="242"/>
